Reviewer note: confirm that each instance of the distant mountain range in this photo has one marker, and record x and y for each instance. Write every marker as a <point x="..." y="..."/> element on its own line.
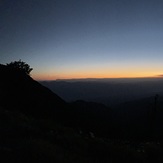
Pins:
<point x="110" y="92"/>
<point x="131" y="101"/>
<point x="18" y="91"/>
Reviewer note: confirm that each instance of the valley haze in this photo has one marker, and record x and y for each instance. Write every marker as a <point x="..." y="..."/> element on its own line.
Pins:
<point x="109" y="91"/>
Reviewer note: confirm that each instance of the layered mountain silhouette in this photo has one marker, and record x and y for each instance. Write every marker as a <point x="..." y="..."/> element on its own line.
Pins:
<point x="18" y="91"/>
<point x="37" y="125"/>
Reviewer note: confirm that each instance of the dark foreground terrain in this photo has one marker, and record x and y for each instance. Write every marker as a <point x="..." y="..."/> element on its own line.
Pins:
<point x="36" y="125"/>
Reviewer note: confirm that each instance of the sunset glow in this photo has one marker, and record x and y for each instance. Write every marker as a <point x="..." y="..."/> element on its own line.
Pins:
<point x="84" y="39"/>
<point x="98" y="74"/>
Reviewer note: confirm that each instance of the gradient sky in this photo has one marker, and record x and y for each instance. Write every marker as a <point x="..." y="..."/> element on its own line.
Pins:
<point x="83" y="38"/>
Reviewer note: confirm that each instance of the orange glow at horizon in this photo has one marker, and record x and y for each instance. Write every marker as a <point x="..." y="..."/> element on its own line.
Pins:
<point x="105" y="74"/>
<point x="80" y="70"/>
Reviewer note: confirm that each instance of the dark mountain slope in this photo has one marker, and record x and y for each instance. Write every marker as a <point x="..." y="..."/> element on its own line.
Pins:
<point x="19" y="90"/>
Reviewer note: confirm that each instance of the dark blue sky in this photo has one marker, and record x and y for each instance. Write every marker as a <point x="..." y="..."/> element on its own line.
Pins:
<point x="83" y="38"/>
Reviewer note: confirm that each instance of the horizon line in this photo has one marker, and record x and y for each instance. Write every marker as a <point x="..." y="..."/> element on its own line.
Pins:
<point x="63" y="79"/>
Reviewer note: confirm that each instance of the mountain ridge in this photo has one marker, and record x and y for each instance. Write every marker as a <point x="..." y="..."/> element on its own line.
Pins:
<point x="19" y="90"/>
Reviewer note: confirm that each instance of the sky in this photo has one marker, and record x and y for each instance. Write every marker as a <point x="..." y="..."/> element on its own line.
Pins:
<point x="83" y="38"/>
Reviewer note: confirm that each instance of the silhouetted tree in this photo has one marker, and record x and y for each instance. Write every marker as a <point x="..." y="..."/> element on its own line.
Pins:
<point x="20" y="65"/>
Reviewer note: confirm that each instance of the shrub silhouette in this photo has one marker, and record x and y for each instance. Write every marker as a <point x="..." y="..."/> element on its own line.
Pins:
<point x="21" y="66"/>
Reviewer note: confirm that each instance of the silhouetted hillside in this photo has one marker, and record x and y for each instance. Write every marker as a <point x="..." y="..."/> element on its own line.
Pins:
<point x="19" y="90"/>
